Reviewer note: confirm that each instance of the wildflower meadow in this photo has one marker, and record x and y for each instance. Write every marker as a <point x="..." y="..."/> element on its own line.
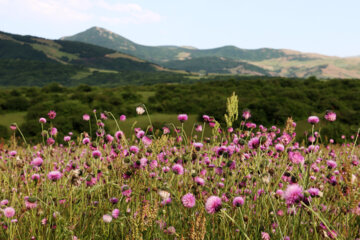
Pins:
<point x="243" y="181"/>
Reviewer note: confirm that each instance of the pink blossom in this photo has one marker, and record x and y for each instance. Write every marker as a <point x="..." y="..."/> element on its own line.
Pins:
<point x="86" y="117"/>
<point x="199" y="181"/>
<point x="238" y="201"/>
<point x="52" y="114"/>
<point x="146" y="141"/>
<point x="313" y="119"/>
<point x="115" y="213"/>
<point x="54" y="175"/>
<point x="293" y="194"/>
<point x="254" y="143"/>
<point x="107" y="218"/>
<point x="331" y="164"/>
<point x="42" y="120"/>
<point x="246" y="114"/>
<point x="330" y="116"/>
<point x="166" y="130"/>
<point x="188" y="200"/>
<point x="279" y="147"/>
<point x="296" y="157"/>
<point x="50" y="141"/>
<point x="182" y="117"/>
<point x="96" y="154"/>
<point x="265" y="236"/>
<point x="178" y="169"/>
<point x="9" y="212"/>
<point x="37" y="162"/>
<point x="213" y="204"/>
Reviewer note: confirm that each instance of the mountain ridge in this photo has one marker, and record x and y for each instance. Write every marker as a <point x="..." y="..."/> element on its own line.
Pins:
<point x="277" y="62"/>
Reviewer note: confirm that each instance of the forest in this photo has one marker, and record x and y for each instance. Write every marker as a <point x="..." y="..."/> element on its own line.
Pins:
<point x="270" y="100"/>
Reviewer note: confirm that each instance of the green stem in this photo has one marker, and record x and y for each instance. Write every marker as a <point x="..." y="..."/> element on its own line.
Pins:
<point x="148" y="115"/>
<point x="22" y="135"/>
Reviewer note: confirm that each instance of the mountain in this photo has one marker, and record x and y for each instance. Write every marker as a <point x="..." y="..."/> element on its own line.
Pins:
<point x="105" y="38"/>
<point x="29" y="60"/>
<point x="275" y="62"/>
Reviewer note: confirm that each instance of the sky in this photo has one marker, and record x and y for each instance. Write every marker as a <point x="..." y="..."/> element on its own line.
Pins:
<point x="328" y="27"/>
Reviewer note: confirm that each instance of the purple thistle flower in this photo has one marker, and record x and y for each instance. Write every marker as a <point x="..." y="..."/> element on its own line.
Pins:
<point x="122" y="118"/>
<point x="52" y="114"/>
<point x="279" y="147"/>
<point x="296" y="157"/>
<point x="313" y="192"/>
<point x="246" y="114"/>
<point x="182" y="117"/>
<point x="313" y="119"/>
<point x="42" y="120"/>
<point x="213" y="204"/>
<point x="254" y="143"/>
<point x="115" y="213"/>
<point x="134" y="149"/>
<point x="188" y="200"/>
<point x="265" y="236"/>
<point x="54" y="175"/>
<point x="238" y="201"/>
<point x="107" y="218"/>
<point x="199" y="181"/>
<point x="331" y="164"/>
<point x="37" y="162"/>
<point x="9" y="212"/>
<point x="86" y="117"/>
<point x="96" y="154"/>
<point x="293" y="194"/>
<point x="178" y="169"/>
<point x="330" y="116"/>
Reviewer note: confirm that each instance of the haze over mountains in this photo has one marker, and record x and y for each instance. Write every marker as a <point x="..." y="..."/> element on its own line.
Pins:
<point x="228" y="59"/>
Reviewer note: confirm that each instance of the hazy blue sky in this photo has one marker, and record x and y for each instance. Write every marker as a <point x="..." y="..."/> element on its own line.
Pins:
<point x="324" y="26"/>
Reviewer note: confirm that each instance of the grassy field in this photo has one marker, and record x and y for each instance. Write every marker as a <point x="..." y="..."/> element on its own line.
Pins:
<point x="9" y="118"/>
<point x="168" y="189"/>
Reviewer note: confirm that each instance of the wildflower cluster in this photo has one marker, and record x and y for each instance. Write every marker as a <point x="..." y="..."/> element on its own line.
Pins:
<point x="250" y="182"/>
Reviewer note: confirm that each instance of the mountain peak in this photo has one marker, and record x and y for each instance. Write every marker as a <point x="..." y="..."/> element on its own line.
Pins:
<point x="98" y="29"/>
<point x="103" y="37"/>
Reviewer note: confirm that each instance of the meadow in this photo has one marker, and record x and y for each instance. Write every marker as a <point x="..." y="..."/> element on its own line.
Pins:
<point x="239" y="180"/>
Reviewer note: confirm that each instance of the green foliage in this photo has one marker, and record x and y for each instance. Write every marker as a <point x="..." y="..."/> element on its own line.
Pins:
<point x="4" y="132"/>
<point x="270" y="100"/>
<point x="13" y="50"/>
<point x="83" y="50"/>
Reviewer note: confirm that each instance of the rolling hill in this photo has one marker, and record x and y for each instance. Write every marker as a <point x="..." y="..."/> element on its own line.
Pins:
<point x="29" y="61"/>
<point x="275" y="62"/>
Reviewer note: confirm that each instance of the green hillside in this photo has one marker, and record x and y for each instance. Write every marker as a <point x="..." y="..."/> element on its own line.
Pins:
<point x="216" y="65"/>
